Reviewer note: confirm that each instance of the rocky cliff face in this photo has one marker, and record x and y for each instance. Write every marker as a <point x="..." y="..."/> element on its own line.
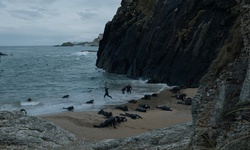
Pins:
<point x="184" y="40"/>
<point x="221" y="109"/>
<point x="168" y="41"/>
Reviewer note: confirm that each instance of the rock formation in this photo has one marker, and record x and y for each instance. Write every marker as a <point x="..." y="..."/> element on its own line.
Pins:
<point x="2" y="54"/>
<point x="221" y="109"/>
<point x="178" y="40"/>
<point x="209" y="33"/>
<point x="67" y="44"/>
<point x="19" y="131"/>
<point x="97" y="40"/>
<point x="168" y="41"/>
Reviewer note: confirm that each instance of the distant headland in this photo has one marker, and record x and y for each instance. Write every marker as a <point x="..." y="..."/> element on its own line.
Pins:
<point x="95" y="42"/>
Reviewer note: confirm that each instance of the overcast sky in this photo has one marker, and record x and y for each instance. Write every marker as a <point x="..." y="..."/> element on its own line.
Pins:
<point x="52" y="22"/>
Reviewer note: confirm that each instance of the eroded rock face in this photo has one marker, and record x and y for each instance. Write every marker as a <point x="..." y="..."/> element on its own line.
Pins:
<point x="168" y="41"/>
<point x="19" y="131"/>
<point x="222" y="106"/>
<point x="178" y="41"/>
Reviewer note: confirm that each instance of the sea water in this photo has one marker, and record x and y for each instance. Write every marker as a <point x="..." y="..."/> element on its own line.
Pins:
<point x="46" y="73"/>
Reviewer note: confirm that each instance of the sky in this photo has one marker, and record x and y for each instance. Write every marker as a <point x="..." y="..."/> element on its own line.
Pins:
<point x="53" y="22"/>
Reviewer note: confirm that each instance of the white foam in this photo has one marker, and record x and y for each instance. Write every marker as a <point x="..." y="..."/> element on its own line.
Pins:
<point x="84" y="53"/>
<point x="29" y="103"/>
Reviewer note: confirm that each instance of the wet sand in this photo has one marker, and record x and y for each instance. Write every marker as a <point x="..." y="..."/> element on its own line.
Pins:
<point x="81" y="123"/>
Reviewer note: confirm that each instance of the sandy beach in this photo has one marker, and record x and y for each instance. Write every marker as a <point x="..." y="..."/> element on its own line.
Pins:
<point x="81" y="123"/>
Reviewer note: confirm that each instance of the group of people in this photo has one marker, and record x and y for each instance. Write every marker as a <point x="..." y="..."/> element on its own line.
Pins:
<point x="127" y="88"/>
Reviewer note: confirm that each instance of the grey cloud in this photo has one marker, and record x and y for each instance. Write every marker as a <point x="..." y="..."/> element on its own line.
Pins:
<point x="26" y="14"/>
<point x="87" y="14"/>
<point x="45" y="21"/>
<point x="46" y="12"/>
<point x="2" y="5"/>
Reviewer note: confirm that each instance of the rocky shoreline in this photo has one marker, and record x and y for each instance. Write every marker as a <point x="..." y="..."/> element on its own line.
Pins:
<point x="220" y="109"/>
<point x="31" y="132"/>
<point x="20" y="131"/>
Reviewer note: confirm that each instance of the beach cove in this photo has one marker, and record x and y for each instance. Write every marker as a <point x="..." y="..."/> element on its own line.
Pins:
<point x="81" y="123"/>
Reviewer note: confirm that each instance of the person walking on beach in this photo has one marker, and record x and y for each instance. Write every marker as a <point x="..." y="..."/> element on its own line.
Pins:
<point x="107" y="92"/>
<point x="129" y="87"/>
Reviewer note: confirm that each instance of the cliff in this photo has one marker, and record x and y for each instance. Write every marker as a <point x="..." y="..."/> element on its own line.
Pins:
<point x="97" y="40"/>
<point x="221" y="109"/>
<point x="168" y="41"/>
<point x="211" y="43"/>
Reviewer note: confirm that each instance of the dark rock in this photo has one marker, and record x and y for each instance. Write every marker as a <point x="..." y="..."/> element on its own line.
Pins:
<point x="65" y="96"/>
<point x="67" y="44"/>
<point x="171" y="41"/>
<point x="2" y="54"/>
<point x="90" y="102"/>
<point x="132" y="101"/>
<point x="146" y="97"/>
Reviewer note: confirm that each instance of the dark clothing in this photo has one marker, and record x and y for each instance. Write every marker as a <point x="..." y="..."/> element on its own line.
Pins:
<point x="111" y="121"/>
<point x="107" y="92"/>
<point x="70" y="108"/>
<point x="132" y="116"/>
<point x="124" y="108"/>
<point x="123" y="89"/>
<point x="129" y="87"/>
<point x="164" y="108"/>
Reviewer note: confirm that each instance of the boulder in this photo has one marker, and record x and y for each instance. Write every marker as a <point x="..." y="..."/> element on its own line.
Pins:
<point x="20" y="131"/>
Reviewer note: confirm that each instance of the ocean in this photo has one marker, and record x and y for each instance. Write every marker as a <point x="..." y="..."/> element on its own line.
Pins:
<point x="46" y="73"/>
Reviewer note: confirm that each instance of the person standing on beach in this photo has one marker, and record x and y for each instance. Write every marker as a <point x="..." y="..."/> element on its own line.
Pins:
<point x="129" y="87"/>
<point x="107" y="92"/>
<point x="123" y="89"/>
